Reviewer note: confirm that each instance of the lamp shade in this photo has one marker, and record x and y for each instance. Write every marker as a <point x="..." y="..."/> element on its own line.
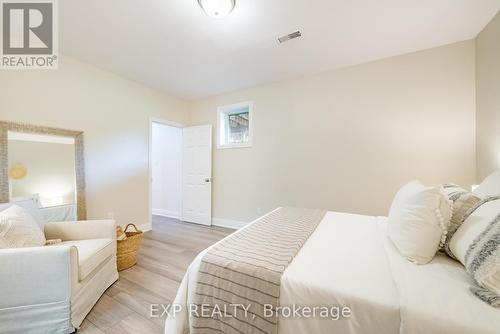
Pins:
<point x="18" y="172"/>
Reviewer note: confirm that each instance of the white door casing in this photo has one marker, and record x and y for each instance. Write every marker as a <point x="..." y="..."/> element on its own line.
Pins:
<point x="197" y="174"/>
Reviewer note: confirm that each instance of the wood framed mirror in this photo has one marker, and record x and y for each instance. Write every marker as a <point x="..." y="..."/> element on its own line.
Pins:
<point x="43" y="163"/>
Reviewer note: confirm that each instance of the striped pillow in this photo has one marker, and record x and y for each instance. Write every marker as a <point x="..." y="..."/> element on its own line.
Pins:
<point x="476" y="243"/>
<point x="463" y="201"/>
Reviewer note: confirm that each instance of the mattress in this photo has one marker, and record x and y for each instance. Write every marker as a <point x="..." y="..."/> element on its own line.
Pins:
<point x="349" y="264"/>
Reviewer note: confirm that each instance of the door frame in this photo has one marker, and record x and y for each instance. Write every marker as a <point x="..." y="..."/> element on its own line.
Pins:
<point x="152" y="120"/>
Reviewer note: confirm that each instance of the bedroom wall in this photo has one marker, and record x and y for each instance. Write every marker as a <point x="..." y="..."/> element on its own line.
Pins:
<point x="346" y="140"/>
<point x="488" y="99"/>
<point x="114" y="114"/>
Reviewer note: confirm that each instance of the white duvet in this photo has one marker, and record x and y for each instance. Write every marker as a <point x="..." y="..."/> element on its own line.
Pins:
<point x="349" y="262"/>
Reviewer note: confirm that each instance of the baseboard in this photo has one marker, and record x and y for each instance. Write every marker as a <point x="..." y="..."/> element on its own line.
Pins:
<point x="166" y="213"/>
<point x="228" y="223"/>
<point x="144" y="227"/>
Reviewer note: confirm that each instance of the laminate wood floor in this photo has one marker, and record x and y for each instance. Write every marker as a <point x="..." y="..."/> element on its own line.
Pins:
<point x="165" y="254"/>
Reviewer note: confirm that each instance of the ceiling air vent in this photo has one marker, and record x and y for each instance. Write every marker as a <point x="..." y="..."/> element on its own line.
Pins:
<point x="288" y="37"/>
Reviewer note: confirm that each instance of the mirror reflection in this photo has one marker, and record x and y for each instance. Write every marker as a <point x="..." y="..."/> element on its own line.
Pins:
<point x="42" y="168"/>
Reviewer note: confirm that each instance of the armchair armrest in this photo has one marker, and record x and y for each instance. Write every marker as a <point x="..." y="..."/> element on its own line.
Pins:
<point x="35" y="275"/>
<point x="81" y="230"/>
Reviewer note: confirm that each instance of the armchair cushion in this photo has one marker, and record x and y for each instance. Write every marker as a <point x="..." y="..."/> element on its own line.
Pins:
<point x="91" y="254"/>
<point x="81" y="230"/>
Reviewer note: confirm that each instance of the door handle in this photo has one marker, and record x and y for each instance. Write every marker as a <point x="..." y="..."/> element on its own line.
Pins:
<point x="207" y="180"/>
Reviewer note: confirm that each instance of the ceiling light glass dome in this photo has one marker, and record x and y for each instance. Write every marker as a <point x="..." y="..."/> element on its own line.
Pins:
<point x="217" y="8"/>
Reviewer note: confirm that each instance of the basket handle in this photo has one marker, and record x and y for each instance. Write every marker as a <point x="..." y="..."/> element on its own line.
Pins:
<point x="135" y="227"/>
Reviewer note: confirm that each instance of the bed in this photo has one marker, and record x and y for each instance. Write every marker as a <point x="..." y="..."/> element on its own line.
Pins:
<point x="349" y="261"/>
<point x="59" y="213"/>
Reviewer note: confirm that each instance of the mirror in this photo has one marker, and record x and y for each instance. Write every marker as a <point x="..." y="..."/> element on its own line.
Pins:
<point x="44" y="165"/>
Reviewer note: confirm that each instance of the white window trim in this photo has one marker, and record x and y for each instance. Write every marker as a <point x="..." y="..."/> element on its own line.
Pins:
<point x="225" y="109"/>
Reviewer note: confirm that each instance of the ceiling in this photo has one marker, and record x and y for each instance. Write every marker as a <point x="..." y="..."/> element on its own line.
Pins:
<point x="173" y="46"/>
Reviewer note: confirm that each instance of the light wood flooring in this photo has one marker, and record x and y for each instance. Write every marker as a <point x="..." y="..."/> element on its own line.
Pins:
<point x="165" y="254"/>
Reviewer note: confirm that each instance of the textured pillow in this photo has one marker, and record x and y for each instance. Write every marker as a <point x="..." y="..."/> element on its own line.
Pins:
<point x="476" y="244"/>
<point x="463" y="201"/>
<point x="418" y="221"/>
<point x="490" y="185"/>
<point x="19" y="229"/>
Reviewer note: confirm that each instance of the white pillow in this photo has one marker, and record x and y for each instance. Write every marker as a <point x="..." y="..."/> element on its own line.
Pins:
<point x="418" y="221"/>
<point x="476" y="244"/>
<point x="19" y="229"/>
<point x="490" y="185"/>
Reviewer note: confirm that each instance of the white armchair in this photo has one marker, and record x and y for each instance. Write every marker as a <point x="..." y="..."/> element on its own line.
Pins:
<point x="51" y="289"/>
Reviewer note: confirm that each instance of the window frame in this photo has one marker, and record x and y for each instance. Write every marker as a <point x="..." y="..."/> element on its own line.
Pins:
<point x="222" y="113"/>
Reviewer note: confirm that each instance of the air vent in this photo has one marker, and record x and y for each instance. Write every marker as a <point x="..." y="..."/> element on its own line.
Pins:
<point x="288" y="37"/>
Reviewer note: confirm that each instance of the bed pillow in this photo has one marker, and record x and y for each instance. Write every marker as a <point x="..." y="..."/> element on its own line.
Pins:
<point x="476" y="244"/>
<point x="490" y="186"/>
<point x="462" y="201"/>
<point x="19" y="229"/>
<point x="418" y="221"/>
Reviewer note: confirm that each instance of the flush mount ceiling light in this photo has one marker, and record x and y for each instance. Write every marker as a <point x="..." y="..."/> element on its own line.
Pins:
<point x="217" y="8"/>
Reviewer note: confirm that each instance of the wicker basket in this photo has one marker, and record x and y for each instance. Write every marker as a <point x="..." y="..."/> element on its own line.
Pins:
<point x="126" y="253"/>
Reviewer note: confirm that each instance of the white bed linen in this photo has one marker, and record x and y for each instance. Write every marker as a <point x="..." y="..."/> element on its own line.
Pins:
<point x="435" y="297"/>
<point x="60" y="213"/>
<point x="348" y="261"/>
<point x="343" y="263"/>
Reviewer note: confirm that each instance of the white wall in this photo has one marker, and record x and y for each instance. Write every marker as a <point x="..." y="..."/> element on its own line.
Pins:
<point x="488" y="99"/>
<point x="346" y="140"/>
<point x="51" y="171"/>
<point x="114" y="114"/>
<point x="166" y="169"/>
<point x="342" y="140"/>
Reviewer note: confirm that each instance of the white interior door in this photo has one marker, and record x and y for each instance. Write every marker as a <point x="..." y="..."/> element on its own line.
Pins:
<point x="197" y="174"/>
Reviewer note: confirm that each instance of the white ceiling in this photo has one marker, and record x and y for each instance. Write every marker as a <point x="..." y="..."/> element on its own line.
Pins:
<point x="172" y="45"/>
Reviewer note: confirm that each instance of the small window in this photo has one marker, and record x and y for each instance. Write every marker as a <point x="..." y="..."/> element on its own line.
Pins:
<point x="235" y="125"/>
